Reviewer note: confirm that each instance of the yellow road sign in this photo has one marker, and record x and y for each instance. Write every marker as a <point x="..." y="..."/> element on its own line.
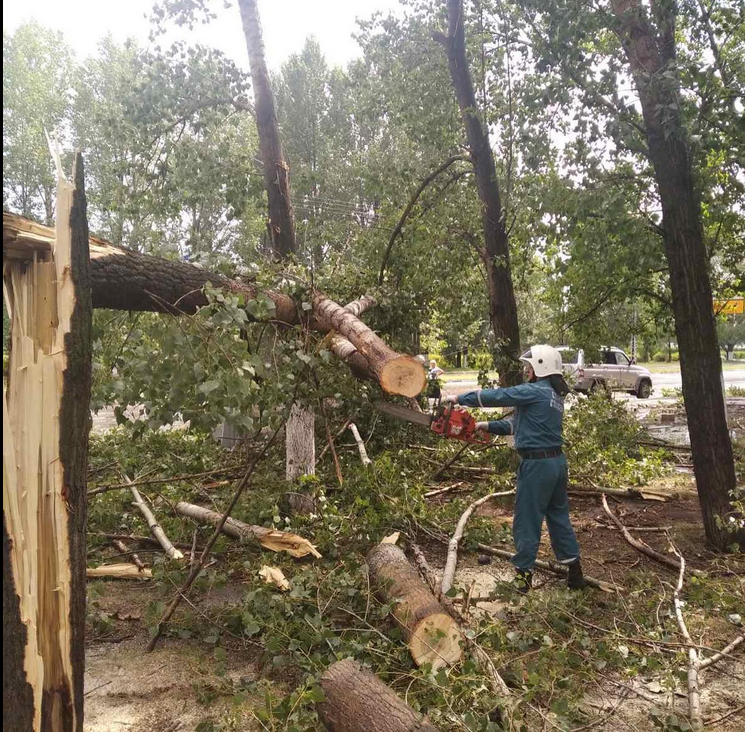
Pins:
<point x="735" y="306"/>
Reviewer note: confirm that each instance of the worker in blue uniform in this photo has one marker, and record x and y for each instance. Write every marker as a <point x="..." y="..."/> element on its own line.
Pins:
<point x="542" y="475"/>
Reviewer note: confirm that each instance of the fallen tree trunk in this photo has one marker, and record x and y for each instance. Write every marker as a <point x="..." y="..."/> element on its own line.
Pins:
<point x="499" y="687"/>
<point x="358" y="701"/>
<point x="431" y="634"/>
<point x="276" y="541"/>
<point x="45" y="463"/>
<point x="345" y="350"/>
<point x="123" y="279"/>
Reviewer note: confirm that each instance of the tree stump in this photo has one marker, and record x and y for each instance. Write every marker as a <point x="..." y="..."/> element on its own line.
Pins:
<point x="297" y="504"/>
<point x="46" y="421"/>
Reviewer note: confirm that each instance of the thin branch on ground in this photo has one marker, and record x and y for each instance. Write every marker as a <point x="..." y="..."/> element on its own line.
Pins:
<point x="448" y="574"/>
<point x="558" y="569"/>
<point x="155" y="527"/>
<point x="640" y="545"/>
<point x="156" y="481"/>
<point x="694" y="694"/>
<point x="197" y="568"/>
<point x="360" y="444"/>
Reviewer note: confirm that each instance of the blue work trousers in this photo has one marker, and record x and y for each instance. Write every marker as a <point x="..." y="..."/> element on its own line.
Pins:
<point x="542" y="492"/>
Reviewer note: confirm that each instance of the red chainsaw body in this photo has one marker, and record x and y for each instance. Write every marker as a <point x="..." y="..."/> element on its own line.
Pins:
<point x="457" y="424"/>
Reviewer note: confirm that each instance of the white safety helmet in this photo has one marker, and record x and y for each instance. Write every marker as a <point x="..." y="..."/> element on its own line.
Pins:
<point x="545" y="360"/>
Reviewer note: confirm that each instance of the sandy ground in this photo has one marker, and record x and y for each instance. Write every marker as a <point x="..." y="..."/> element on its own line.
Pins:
<point x="181" y="687"/>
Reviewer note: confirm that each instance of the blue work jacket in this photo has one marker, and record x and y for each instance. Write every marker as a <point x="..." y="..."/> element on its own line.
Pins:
<point x="537" y="422"/>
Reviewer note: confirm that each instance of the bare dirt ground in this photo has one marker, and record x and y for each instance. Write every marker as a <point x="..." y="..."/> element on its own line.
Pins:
<point x="177" y="687"/>
<point x="182" y="686"/>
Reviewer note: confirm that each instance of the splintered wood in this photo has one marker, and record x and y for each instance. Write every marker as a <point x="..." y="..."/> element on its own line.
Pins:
<point x="272" y="539"/>
<point x="47" y="297"/>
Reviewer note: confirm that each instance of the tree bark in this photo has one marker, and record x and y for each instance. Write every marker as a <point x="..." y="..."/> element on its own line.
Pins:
<point x="496" y="251"/>
<point x="297" y="504"/>
<point x="395" y="373"/>
<point x="123" y="279"/>
<point x="300" y="443"/>
<point x="651" y="54"/>
<point x="45" y="461"/>
<point x="430" y="632"/>
<point x="276" y="170"/>
<point x="358" y="701"/>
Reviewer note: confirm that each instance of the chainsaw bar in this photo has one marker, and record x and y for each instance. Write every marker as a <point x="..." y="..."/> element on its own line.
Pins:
<point x="410" y="415"/>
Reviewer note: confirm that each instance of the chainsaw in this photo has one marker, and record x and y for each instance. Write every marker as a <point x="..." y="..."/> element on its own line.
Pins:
<point x="449" y="420"/>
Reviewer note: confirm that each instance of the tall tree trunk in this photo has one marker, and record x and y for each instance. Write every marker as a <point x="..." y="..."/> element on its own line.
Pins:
<point x="281" y="224"/>
<point x="45" y="460"/>
<point x="651" y="53"/>
<point x="496" y="251"/>
<point x="300" y="426"/>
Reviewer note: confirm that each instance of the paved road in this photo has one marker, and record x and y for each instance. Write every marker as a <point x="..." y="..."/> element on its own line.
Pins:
<point x="659" y="381"/>
<point x="104" y="420"/>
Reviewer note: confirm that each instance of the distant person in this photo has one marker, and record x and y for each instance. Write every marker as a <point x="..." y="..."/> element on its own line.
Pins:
<point x="434" y="390"/>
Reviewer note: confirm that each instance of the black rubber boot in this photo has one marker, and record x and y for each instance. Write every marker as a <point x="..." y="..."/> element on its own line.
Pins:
<point x="523" y="581"/>
<point x="575" y="578"/>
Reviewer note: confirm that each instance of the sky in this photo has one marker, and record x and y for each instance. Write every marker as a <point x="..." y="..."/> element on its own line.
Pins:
<point x="286" y="25"/>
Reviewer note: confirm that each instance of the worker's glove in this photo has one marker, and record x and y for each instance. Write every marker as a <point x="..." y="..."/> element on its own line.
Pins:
<point x="483" y="426"/>
<point x="448" y="399"/>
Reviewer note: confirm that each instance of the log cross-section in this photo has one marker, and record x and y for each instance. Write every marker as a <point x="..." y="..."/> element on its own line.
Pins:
<point x="397" y="374"/>
<point x="45" y="452"/>
<point x="431" y="633"/>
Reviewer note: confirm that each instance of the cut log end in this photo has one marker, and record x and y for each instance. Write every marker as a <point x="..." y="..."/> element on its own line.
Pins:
<point x="430" y="633"/>
<point x="403" y="375"/>
<point x="436" y="640"/>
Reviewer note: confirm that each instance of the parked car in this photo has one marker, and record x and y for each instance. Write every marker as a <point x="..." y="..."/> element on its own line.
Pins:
<point x="609" y="369"/>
